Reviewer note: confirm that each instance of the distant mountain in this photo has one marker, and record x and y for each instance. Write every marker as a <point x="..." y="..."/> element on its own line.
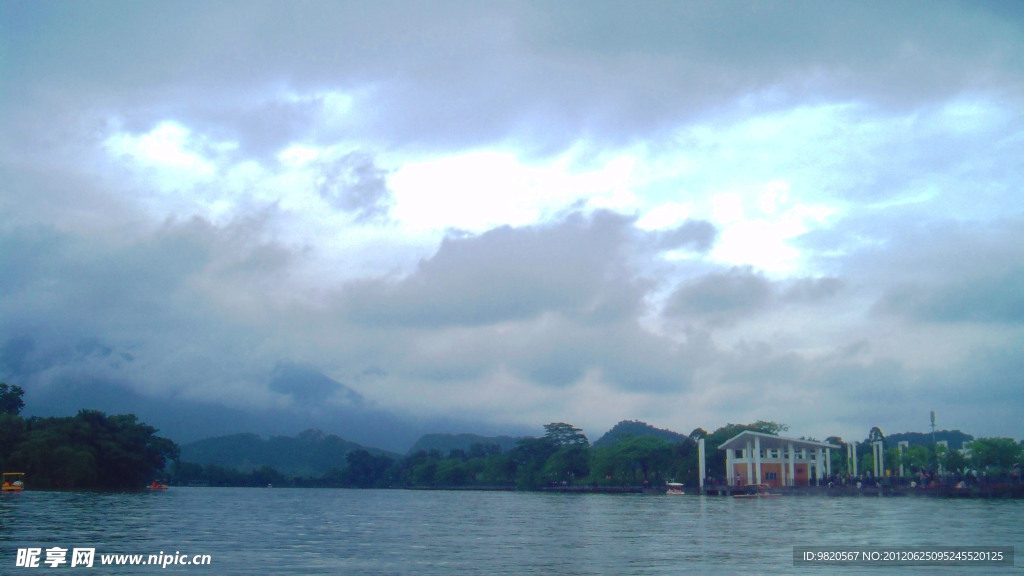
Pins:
<point x="311" y="453"/>
<point x="955" y="438"/>
<point x="445" y="443"/>
<point x="635" y="428"/>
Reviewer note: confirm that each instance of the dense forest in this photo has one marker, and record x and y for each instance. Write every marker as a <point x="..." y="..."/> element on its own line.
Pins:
<point x="90" y="450"/>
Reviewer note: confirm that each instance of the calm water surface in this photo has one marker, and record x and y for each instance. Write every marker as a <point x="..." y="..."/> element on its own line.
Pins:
<point x="300" y="531"/>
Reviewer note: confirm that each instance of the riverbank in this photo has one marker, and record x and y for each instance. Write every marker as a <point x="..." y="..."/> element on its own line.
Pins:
<point x="938" y="491"/>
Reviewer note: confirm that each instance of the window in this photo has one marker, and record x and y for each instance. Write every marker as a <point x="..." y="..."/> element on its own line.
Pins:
<point x="771" y="476"/>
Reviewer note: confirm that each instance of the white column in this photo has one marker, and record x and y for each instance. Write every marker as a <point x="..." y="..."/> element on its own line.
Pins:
<point x="728" y="467"/>
<point x="828" y="462"/>
<point x="819" y="458"/>
<point x="879" y="458"/>
<point x="854" y="446"/>
<point x="750" y="464"/>
<point x="792" y="465"/>
<point x="903" y="450"/>
<point x="700" y="462"/>
<point x="757" y="457"/>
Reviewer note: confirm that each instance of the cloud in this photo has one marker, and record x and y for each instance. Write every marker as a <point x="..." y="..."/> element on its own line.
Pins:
<point x="720" y="297"/>
<point x="697" y="235"/>
<point x="696" y="213"/>
<point x="988" y="299"/>
<point x="574" y="267"/>
<point x="354" y="184"/>
<point x="310" y="387"/>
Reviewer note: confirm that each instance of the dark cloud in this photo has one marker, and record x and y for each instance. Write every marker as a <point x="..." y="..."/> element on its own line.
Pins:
<point x="697" y="235"/>
<point x="998" y="299"/>
<point x="309" y="386"/>
<point x="572" y="267"/>
<point x="466" y="73"/>
<point x="720" y="297"/>
<point x="812" y="289"/>
<point x="354" y="184"/>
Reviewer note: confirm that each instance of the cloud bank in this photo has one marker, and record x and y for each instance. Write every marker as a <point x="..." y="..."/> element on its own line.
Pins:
<point x="388" y="217"/>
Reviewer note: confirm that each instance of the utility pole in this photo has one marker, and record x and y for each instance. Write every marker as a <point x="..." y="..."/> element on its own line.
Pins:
<point x="935" y="447"/>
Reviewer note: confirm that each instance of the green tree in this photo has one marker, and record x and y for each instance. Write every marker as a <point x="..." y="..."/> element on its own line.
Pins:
<point x="769" y="427"/>
<point x="650" y="457"/>
<point x="530" y="455"/>
<point x="568" y="464"/>
<point x="452" y="472"/>
<point x="365" y="470"/>
<point x="266" y="475"/>
<point x="562" y="434"/>
<point x="92" y="450"/>
<point x="996" y="454"/>
<point x="955" y="461"/>
<point x="12" y="432"/>
<point x="11" y="401"/>
<point x="915" y="458"/>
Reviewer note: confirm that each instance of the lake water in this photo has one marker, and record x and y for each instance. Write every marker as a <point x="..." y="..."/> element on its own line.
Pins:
<point x="309" y="531"/>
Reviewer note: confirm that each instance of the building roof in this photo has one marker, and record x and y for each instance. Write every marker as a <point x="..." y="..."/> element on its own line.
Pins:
<point x="771" y="442"/>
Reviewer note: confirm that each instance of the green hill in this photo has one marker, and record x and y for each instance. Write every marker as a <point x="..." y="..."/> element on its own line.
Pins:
<point x="635" y="428"/>
<point x="311" y="453"/>
<point x="445" y="443"/>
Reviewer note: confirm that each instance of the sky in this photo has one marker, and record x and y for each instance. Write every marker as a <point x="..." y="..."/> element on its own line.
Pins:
<point x="386" y="218"/>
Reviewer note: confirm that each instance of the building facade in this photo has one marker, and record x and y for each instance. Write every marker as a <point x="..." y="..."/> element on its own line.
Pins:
<point x="759" y="458"/>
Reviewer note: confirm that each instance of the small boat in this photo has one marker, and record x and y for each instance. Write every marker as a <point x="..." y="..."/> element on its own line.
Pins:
<point x="757" y="491"/>
<point x="674" y="488"/>
<point x="13" y="482"/>
<point x="154" y="486"/>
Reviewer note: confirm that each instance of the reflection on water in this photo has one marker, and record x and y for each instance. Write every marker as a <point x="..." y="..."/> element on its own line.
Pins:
<point x="296" y="531"/>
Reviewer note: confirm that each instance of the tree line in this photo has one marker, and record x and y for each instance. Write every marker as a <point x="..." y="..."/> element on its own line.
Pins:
<point x="90" y="450"/>
<point x="562" y="457"/>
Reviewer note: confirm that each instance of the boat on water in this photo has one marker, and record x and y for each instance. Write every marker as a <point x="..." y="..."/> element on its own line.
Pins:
<point x="675" y="489"/>
<point x="757" y="491"/>
<point x="156" y="486"/>
<point x="13" y="481"/>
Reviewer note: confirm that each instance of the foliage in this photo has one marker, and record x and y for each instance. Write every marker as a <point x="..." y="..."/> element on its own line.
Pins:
<point x="996" y="454"/>
<point x="955" y="461"/>
<point x="366" y="470"/>
<point x="568" y="464"/>
<point x="955" y="438"/>
<point x="562" y="434"/>
<point x="529" y="458"/>
<point x="915" y="458"/>
<point x="11" y="401"/>
<point x="89" y="450"/>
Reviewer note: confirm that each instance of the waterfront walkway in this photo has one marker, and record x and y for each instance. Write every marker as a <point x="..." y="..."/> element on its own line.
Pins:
<point x="990" y="490"/>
